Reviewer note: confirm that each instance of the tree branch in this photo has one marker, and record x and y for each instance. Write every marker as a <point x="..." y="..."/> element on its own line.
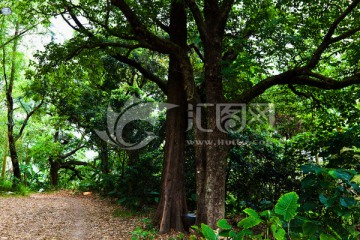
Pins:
<point x="66" y="155"/>
<point x="197" y="50"/>
<point x="328" y="40"/>
<point x="198" y="18"/>
<point x="225" y="10"/>
<point x="146" y="73"/>
<point x="73" y="162"/>
<point x="143" y="35"/>
<point x="299" y="76"/>
<point x="28" y="116"/>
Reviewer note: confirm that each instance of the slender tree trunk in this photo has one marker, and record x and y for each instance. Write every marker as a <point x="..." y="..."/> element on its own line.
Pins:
<point x="10" y="109"/>
<point x="3" y="172"/>
<point x="104" y="157"/>
<point x="172" y="204"/>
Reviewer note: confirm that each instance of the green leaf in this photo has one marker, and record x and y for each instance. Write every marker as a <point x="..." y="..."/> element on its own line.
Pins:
<point x="324" y="236"/>
<point x="339" y="174"/>
<point x="208" y="232"/>
<point x="249" y="222"/>
<point x="347" y="202"/>
<point x="278" y="232"/>
<point x="224" y="233"/>
<point x="324" y="200"/>
<point x="251" y="212"/>
<point x="266" y="213"/>
<point x="287" y="205"/>
<point x="309" y="228"/>
<point x="310" y="168"/>
<point x="223" y="224"/>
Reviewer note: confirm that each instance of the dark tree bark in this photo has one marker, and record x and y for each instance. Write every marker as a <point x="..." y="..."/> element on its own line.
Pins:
<point x="58" y="161"/>
<point x="104" y="157"/>
<point x="172" y="204"/>
<point x="54" y="172"/>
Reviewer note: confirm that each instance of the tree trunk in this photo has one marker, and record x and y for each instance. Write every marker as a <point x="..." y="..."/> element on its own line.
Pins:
<point x="54" y="172"/>
<point x="10" y="110"/>
<point x="172" y="204"/>
<point x="104" y="157"/>
<point x="211" y="162"/>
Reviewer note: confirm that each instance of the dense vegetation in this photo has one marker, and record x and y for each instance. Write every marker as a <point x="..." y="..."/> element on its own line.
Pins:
<point x="88" y="113"/>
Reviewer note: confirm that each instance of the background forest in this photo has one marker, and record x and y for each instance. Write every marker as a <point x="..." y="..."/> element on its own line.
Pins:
<point x="300" y="58"/>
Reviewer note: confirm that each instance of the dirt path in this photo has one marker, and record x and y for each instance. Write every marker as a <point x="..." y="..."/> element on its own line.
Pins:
<point x="61" y="216"/>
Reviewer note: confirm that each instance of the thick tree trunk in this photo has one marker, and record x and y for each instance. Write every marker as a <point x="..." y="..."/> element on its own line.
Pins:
<point x="215" y="154"/>
<point x="172" y="204"/>
<point x="211" y="162"/>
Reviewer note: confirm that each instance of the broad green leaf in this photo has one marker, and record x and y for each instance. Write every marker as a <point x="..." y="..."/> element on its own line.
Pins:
<point x="251" y="212"/>
<point x="324" y="200"/>
<point x="249" y="222"/>
<point x="266" y="213"/>
<point x="208" y="232"/>
<point x="278" y="232"/>
<point x="223" y="224"/>
<point x="287" y="205"/>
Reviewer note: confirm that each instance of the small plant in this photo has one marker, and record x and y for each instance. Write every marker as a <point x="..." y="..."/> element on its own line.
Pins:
<point x="5" y="185"/>
<point x="146" y="233"/>
<point x="274" y="221"/>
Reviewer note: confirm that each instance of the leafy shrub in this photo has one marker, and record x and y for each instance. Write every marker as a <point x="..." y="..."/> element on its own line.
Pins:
<point x="258" y="173"/>
<point x="5" y="185"/>
<point x="147" y="233"/>
<point x="273" y="221"/>
<point x="330" y="199"/>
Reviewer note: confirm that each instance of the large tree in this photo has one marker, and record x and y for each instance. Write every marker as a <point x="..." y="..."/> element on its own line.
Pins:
<point x="11" y="65"/>
<point x="284" y="42"/>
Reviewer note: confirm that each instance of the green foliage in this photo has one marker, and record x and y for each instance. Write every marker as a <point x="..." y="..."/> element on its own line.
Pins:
<point x="146" y="233"/>
<point x="330" y="197"/>
<point x="270" y="220"/>
<point x="5" y="185"/>
<point x="258" y="171"/>
<point x="287" y="206"/>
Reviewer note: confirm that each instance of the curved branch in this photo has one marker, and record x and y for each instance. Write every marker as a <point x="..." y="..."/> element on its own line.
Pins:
<point x="152" y="41"/>
<point x="146" y="73"/>
<point x="298" y="77"/>
<point x="328" y="40"/>
<point x="28" y="116"/>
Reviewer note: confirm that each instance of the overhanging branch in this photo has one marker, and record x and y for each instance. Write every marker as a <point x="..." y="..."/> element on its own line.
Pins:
<point x="298" y="77"/>
<point x="328" y="40"/>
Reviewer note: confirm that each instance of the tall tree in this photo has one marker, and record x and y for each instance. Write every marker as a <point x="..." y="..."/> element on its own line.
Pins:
<point x="287" y="42"/>
<point x="10" y="65"/>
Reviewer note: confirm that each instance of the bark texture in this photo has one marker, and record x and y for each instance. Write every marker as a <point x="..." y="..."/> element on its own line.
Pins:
<point x="172" y="205"/>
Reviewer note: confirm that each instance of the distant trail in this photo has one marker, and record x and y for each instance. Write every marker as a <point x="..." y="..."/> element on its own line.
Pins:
<point x="61" y="216"/>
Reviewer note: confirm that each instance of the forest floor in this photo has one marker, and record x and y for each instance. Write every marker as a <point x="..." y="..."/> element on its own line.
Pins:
<point x="63" y="215"/>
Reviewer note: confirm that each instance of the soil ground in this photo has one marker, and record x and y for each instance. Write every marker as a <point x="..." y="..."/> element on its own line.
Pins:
<point x="62" y="215"/>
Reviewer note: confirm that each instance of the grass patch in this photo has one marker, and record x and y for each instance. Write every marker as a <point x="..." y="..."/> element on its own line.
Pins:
<point x="7" y="189"/>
